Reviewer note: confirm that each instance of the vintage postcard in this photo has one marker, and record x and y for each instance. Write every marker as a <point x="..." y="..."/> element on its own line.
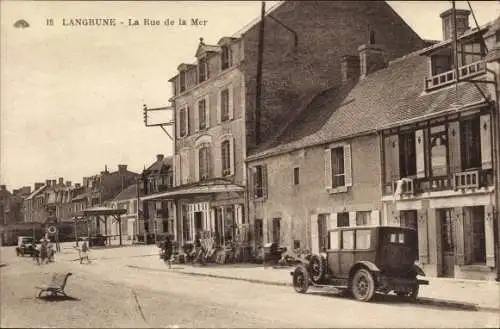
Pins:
<point x="237" y="164"/>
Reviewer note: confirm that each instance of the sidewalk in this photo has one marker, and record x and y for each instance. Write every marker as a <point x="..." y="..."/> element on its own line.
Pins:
<point x="467" y="294"/>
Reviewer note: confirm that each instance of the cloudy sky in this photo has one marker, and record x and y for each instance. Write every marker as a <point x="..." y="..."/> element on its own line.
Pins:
<point x="71" y="97"/>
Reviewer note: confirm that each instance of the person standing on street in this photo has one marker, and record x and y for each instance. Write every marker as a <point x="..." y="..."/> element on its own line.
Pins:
<point x="167" y="251"/>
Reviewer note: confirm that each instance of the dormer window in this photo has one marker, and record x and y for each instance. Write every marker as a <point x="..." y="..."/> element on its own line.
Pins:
<point x="202" y="69"/>
<point x="471" y="52"/>
<point x="182" y="81"/>
<point x="225" y="57"/>
<point x="441" y="63"/>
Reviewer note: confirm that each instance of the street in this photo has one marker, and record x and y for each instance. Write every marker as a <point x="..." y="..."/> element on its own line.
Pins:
<point x="108" y="293"/>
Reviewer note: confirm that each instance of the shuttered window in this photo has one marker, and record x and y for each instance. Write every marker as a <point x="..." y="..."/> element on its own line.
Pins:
<point x="338" y="171"/>
<point x="226" y="157"/>
<point x="338" y="178"/>
<point x="407" y="155"/>
<point x="224" y="105"/>
<point x="470" y="138"/>
<point x="202" y="114"/>
<point x="204" y="162"/>
<point x="260" y="181"/>
<point x="225" y="57"/>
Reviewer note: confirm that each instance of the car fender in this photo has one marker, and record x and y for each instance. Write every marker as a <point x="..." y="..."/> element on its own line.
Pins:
<point x="363" y="263"/>
<point x="418" y="270"/>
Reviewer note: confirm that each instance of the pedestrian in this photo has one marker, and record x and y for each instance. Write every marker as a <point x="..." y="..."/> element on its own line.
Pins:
<point x="50" y="252"/>
<point x="167" y="251"/>
<point x="43" y="251"/>
<point x="84" y="252"/>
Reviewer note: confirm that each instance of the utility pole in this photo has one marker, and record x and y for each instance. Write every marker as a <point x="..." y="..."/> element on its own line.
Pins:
<point x="258" y="87"/>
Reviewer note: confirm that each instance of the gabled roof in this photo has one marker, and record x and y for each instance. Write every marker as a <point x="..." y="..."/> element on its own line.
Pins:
<point x="128" y="193"/>
<point x="36" y="192"/>
<point x="157" y="166"/>
<point x="203" y="48"/>
<point x="382" y="99"/>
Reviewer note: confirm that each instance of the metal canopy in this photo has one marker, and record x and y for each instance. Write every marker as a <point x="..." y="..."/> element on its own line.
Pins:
<point x="97" y="212"/>
<point x="183" y="191"/>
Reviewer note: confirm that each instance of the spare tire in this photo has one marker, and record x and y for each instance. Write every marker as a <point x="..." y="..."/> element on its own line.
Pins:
<point x="317" y="266"/>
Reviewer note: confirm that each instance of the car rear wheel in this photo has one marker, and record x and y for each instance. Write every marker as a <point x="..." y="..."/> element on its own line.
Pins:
<point x="301" y="279"/>
<point x="363" y="285"/>
<point x="318" y="268"/>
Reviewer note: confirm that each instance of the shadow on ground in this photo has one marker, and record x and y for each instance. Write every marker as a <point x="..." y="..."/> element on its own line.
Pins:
<point x="58" y="298"/>
<point x="398" y="301"/>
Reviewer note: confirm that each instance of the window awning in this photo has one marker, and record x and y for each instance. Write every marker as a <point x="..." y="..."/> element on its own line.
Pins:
<point x="183" y="191"/>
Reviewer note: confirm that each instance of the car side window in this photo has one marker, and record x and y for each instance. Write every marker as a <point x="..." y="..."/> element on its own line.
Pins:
<point x="334" y="240"/>
<point x="363" y="239"/>
<point x="397" y="238"/>
<point x="348" y="240"/>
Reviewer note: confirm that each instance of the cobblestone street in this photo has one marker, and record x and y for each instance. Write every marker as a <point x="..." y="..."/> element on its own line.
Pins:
<point x="108" y="293"/>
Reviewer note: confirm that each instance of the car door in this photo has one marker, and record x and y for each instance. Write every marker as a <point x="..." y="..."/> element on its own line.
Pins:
<point x="347" y="253"/>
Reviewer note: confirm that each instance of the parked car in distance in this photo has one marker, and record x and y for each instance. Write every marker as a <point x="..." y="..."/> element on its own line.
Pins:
<point x="25" y="246"/>
<point x="364" y="261"/>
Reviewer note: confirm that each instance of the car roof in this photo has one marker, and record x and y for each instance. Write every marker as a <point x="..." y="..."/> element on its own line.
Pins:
<point x="370" y="227"/>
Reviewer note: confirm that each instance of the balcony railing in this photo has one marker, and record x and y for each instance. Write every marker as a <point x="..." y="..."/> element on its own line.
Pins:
<point x="467" y="179"/>
<point x="448" y="77"/>
<point x="406" y="187"/>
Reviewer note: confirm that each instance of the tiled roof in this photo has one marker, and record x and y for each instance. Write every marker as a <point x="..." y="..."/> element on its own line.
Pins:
<point x="128" y="193"/>
<point x="35" y="192"/>
<point x="385" y="97"/>
<point x="157" y="166"/>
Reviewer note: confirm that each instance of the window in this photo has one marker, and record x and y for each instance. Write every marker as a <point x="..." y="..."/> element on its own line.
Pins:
<point x="260" y="181"/>
<point x="407" y="155"/>
<point x="202" y="70"/>
<point x="338" y="173"/>
<point x="182" y="121"/>
<point x="348" y="240"/>
<point x="276" y="230"/>
<point x="334" y="240"/>
<point x="471" y="52"/>
<point x="363" y="218"/>
<point x="439" y="145"/>
<point x="441" y="63"/>
<point x="323" y="231"/>
<point x="226" y="158"/>
<point x="470" y="140"/>
<point x="409" y="218"/>
<point x="224" y="105"/>
<point x="182" y="81"/>
<point x="342" y="219"/>
<point x="202" y="114"/>
<point x="363" y="239"/>
<point x="225" y="58"/>
<point x="259" y="231"/>
<point x="204" y="162"/>
<point x="296" y="177"/>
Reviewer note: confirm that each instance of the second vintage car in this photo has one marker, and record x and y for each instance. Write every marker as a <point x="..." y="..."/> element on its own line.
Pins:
<point x="363" y="261"/>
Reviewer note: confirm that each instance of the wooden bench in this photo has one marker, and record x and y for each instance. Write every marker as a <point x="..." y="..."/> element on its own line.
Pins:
<point x="56" y="285"/>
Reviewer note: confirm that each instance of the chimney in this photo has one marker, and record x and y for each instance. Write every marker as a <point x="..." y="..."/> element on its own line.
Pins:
<point x="77" y="185"/>
<point x="61" y="181"/>
<point x="47" y="182"/>
<point x="371" y="58"/>
<point x="3" y="188"/>
<point x="54" y="183"/>
<point x="447" y="22"/>
<point x="349" y="67"/>
<point x="159" y="157"/>
<point x="68" y="183"/>
<point x="38" y="185"/>
<point x="122" y="168"/>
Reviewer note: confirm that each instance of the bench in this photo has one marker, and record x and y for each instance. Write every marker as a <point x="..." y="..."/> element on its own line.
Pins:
<point x="56" y="285"/>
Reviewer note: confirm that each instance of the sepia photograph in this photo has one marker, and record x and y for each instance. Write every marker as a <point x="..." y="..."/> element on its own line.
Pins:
<point x="249" y="164"/>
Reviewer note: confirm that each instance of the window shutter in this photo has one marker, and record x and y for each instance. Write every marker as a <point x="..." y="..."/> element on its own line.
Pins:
<point x="187" y="120"/>
<point x="328" y="168"/>
<point x="197" y="165"/>
<point x="347" y="165"/>
<point x="196" y="117"/>
<point x="218" y="159"/>
<point x="375" y="218"/>
<point x="231" y="102"/>
<point x="210" y="161"/>
<point x="395" y="157"/>
<point x="314" y="234"/>
<point x="207" y="111"/>
<point x="251" y="182"/>
<point x="177" y="169"/>
<point x="391" y="158"/>
<point x="489" y="235"/>
<point x="178" y="122"/>
<point x="458" y="218"/>
<point x="218" y="106"/>
<point x="264" y="181"/>
<point x="231" y="154"/>
<point x="332" y="223"/>
<point x="485" y="125"/>
<point x="352" y="218"/>
<point x="454" y="146"/>
<point x="419" y="152"/>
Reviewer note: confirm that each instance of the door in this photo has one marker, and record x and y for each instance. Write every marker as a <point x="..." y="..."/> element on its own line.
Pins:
<point x="447" y="243"/>
<point x="276" y="230"/>
<point x="478" y="236"/>
<point x="323" y="232"/>
<point x="198" y="222"/>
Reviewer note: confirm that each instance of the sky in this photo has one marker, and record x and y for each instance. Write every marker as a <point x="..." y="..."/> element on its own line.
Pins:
<point x="71" y="97"/>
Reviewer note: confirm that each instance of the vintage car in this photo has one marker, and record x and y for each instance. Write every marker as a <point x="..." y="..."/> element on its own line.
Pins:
<point x="363" y="261"/>
<point x="25" y="245"/>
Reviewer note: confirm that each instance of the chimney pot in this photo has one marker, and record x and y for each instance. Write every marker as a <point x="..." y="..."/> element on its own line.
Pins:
<point x="77" y="185"/>
<point x="3" y="188"/>
<point x="47" y="182"/>
<point x="54" y="183"/>
<point x="68" y="183"/>
<point x="349" y="67"/>
<point x="38" y="185"/>
<point x="122" y="168"/>
<point x="61" y="181"/>
<point x="371" y="58"/>
<point x="447" y="22"/>
<point x="159" y="157"/>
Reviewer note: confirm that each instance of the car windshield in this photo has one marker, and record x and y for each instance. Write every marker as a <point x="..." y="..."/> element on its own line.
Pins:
<point x="27" y="240"/>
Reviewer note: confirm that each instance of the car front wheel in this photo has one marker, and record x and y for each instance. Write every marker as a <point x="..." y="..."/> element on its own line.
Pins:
<point x="363" y="285"/>
<point x="301" y="279"/>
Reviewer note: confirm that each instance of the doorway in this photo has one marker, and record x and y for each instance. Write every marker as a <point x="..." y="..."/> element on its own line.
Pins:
<point x="447" y="243"/>
<point x="198" y="222"/>
<point x="478" y="236"/>
<point x="276" y="230"/>
<point x="323" y="232"/>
